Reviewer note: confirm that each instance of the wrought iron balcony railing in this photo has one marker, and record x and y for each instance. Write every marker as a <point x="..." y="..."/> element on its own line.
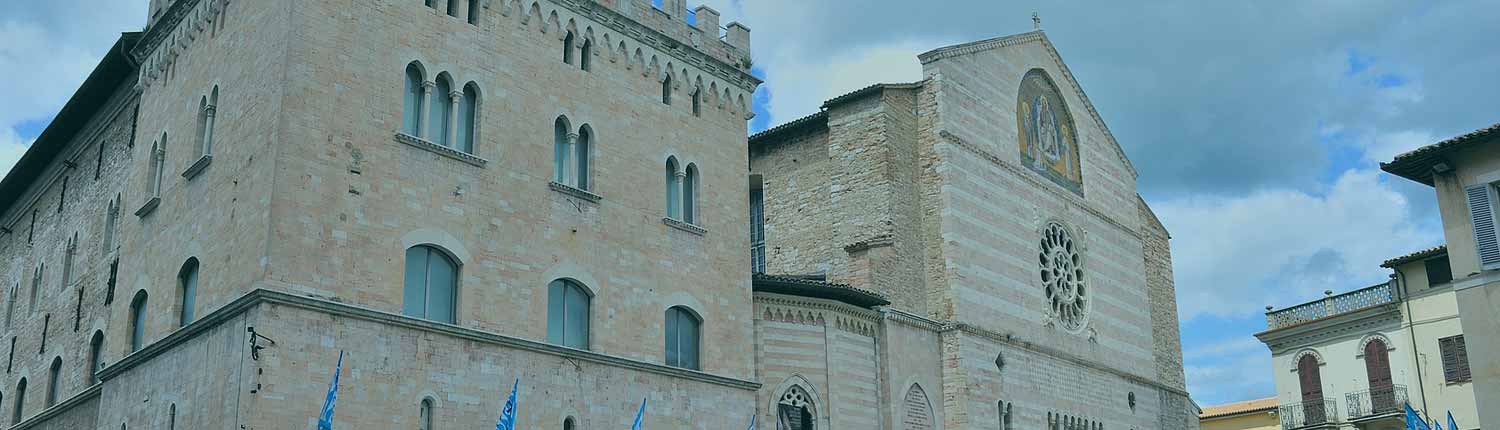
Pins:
<point x="1376" y="401"/>
<point x="1309" y="414"/>
<point x="1332" y="305"/>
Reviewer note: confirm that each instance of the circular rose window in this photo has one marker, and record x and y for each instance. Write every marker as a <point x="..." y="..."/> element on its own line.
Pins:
<point x="1062" y="278"/>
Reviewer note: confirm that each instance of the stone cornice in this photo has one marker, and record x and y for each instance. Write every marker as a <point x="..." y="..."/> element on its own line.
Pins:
<point x="663" y="43"/>
<point x="90" y="393"/>
<point x="1027" y="175"/>
<point x="261" y="296"/>
<point x="1300" y="335"/>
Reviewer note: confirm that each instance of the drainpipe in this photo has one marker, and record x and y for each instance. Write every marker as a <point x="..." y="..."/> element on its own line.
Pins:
<point x="1411" y="328"/>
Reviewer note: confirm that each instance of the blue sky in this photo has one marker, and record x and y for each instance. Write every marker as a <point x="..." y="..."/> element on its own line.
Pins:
<point x="1256" y="126"/>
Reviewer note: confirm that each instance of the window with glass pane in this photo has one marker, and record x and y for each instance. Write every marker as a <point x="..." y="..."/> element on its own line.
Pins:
<point x="411" y="114"/>
<point x="682" y="338"/>
<point x="440" y="112"/>
<point x="757" y="231"/>
<point x="431" y="284"/>
<point x="568" y="314"/>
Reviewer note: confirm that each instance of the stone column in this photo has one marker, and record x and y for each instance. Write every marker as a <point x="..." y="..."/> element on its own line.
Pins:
<point x="682" y="193"/>
<point x="208" y="129"/>
<point x="423" y="118"/>
<point x="570" y="162"/>
<point x="454" y="98"/>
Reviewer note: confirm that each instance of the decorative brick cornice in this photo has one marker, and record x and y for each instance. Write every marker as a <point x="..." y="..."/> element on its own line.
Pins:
<point x="1028" y="176"/>
<point x="845" y="317"/>
<point x="261" y="296"/>
<point x="172" y="22"/>
<point x="665" y="44"/>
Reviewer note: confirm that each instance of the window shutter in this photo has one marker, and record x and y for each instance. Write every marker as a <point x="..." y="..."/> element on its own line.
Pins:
<point x="1461" y="353"/>
<point x="1482" y="216"/>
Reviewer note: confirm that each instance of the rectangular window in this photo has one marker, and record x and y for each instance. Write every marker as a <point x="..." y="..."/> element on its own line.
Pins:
<point x="1438" y="271"/>
<point x="1455" y="359"/>
<point x="757" y="231"/>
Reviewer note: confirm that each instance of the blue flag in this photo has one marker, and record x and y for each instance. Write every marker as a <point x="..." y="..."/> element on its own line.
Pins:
<point x="1414" y="421"/>
<point x="1451" y="425"/>
<point x="325" y="420"/>
<point x="639" y="415"/>
<point x="508" y="415"/>
<point x="1435" y="425"/>
<point x="752" y="422"/>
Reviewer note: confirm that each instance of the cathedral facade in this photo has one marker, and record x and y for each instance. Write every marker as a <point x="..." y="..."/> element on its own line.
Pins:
<point x="462" y="196"/>
<point x="996" y="268"/>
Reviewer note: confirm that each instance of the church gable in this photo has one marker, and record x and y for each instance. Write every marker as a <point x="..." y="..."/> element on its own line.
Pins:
<point x="1023" y="55"/>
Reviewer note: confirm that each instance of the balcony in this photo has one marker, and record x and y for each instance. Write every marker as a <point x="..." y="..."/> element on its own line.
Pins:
<point x="1322" y="413"/>
<point x="1377" y="295"/>
<point x="1376" y="403"/>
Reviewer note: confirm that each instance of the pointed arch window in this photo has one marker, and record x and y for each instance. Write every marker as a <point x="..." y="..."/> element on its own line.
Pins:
<point x="581" y="152"/>
<point x="683" y="329"/>
<point x="10" y="305"/>
<point x="67" y="270"/>
<point x="439" y="127"/>
<point x="586" y="54"/>
<point x="431" y="284"/>
<point x="666" y="89"/>
<point x="96" y="349"/>
<point x="111" y="222"/>
<point x="698" y="102"/>
<point x="187" y="284"/>
<point x="54" y="376"/>
<point x="172" y="417"/>
<point x="560" y="150"/>
<point x="36" y="288"/>
<point x="412" y="101"/>
<point x="158" y="165"/>
<point x="206" y="111"/>
<point x="568" y="305"/>
<point x="138" y="321"/>
<point x="568" y="41"/>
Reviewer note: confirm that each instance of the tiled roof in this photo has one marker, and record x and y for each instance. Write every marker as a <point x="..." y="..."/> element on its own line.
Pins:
<point x="1238" y="408"/>
<point x="817" y="119"/>
<point x="1417" y="164"/>
<point x="800" y="286"/>
<point x="1419" y="255"/>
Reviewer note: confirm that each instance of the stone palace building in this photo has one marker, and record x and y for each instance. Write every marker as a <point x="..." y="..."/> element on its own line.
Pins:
<point x="459" y="194"/>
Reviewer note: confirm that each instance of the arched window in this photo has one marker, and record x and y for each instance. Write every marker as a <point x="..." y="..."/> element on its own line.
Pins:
<point x="690" y="194"/>
<point x="10" y="305"/>
<point x="172" y="417"/>
<point x="474" y="12"/>
<point x="411" y="107"/>
<point x="137" y="321"/>
<point x="1378" y="370"/>
<point x="431" y="284"/>
<point x="1005" y="415"/>
<point x="439" y="123"/>
<point x="20" y="408"/>
<point x="560" y="146"/>
<point x="1312" y="389"/>
<point x="468" y="110"/>
<point x="111" y="220"/>
<point x="568" y="48"/>
<point x="581" y="154"/>
<point x="54" y="376"/>
<point x="698" y="102"/>
<point x="206" y="111"/>
<point x="96" y="348"/>
<point x="158" y="165"/>
<point x="795" y="410"/>
<point x="666" y="89"/>
<point x="36" y="288"/>
<point x="568" y="314"/>
<point x="586" y="54"/>
<point x="569" y="424"/>
<point x="683" y="329"/>
<point x="72" y="248"/>
<point x="674" y="189"/>
<point x="187" y="284"/>
<point x="424" y="415"/>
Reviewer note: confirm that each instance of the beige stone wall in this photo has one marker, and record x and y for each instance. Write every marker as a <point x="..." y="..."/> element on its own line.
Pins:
<point x="1166" y="339"/>
<point x="351" y="199"/>
<point x="795" y="174"/>
<point x="826" y="348"/>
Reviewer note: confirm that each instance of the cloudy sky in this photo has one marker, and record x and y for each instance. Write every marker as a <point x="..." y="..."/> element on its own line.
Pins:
<point x="1256" y="126"/>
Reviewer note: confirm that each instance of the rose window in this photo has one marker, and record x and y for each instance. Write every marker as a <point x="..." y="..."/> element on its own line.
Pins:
<point x="1062" y="277"/>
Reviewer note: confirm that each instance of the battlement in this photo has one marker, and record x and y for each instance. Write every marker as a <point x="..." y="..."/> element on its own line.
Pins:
<point x="698" y="27"/>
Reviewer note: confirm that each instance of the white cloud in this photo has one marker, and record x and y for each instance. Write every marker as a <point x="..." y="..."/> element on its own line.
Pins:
<point x="11" y="149"/>
<point x="1233" y="255"/>
<point x="1236" y="377"/>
